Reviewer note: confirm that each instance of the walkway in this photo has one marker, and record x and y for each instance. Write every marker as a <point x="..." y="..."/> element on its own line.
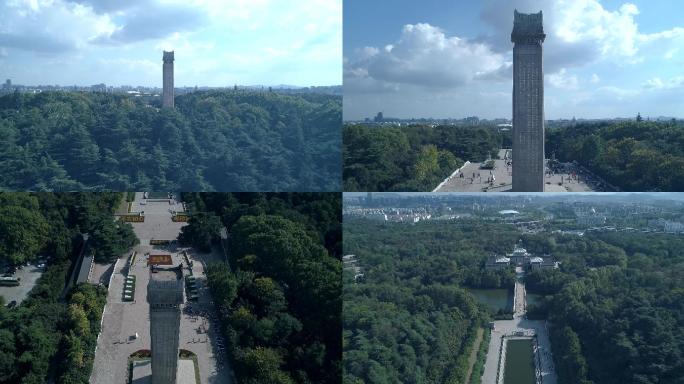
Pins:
<point x="519" y="326"/>
<point x="472" y="359"/>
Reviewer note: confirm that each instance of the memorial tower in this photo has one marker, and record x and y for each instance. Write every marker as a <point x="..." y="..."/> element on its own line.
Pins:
<point x="167" y="93"/>
<point x="165" y="294"/>
<point x="528" y="103"/>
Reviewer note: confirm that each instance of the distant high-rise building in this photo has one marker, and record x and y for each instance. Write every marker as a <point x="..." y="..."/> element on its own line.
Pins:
<point x="379" y="118"/>
<point x="167" y="93"/>
<point x="165" y="294"/>
<point x="528" y="103"/>
<point x="8" y="84"/>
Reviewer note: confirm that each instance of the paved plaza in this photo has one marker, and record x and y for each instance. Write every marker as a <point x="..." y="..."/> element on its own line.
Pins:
<point x="122" y="320"/>
<point x="471" y="178"/>
<point x="520" y="326"/>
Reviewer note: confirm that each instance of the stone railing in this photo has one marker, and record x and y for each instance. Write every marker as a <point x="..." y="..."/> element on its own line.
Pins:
<point x="450" y="176"/>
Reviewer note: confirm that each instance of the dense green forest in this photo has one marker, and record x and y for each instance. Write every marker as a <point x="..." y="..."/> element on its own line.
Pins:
<point x="634" y="156"/>
<point x="616" y="305"/>
<point x="279" y="293"/>
<point x="413" y="158"/>
<point x="410" y="318"/>
<point x="49" y="337"/>
<point x="211" y="141"/>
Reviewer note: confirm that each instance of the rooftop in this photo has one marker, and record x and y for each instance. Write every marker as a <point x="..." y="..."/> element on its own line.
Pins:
<point x="527" y="25"/>
<point x="165" y="275"/>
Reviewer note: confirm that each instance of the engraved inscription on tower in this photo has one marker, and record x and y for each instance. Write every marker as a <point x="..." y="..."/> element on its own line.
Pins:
<point x="167" y="94"/>
<point x="528" y="103"/>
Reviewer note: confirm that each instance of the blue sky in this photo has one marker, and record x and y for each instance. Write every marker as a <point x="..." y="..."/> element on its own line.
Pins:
<point x="217" y="42"/>
<point x="602" y="58"/>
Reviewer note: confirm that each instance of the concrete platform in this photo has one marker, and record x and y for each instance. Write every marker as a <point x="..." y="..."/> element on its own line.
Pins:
<point x="28" y="277"/>
<point x="142" y="372"/>
<point x="476" y="179"/>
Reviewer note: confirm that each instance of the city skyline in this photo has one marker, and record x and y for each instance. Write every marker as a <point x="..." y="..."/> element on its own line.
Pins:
<point x="217" y="43"/>
<point x="603" y="59"/>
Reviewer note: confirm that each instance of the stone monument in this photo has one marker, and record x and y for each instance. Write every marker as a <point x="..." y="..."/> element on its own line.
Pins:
<point x="167" y="93"/>
<point x="528" y="103"/>
<point x="165" y="294"/>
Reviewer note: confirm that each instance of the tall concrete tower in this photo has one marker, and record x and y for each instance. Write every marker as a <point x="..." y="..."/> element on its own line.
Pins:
<point x="167" y="94"/>
<point x="528" y="103"/>
<point x="165" y="294"/>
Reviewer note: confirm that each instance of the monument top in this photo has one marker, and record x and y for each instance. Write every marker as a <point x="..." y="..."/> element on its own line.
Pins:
<point x="168" y="55"/>
<point x="165" y="286"/>
<point x="528" y="27"/>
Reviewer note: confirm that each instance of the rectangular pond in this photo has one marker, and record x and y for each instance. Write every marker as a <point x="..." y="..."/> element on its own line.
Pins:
<point x="519" y="368"/>
<point x="495" y="299"/>
<point x="533" y="298"/>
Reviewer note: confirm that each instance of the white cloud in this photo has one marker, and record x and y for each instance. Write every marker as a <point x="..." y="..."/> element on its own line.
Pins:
<point x="126" y="65"/>
<point x="50" y="27"/>
<point x="616" y="92"/>
<point x="425" y="56"/>
<point x="670" y="53"/>
<point x="366" y="53"/>
<point x="657" y="83"/>
<point x="594" y="78"/>
<point x="562" y="80"/>
<point x="614" y="32"/>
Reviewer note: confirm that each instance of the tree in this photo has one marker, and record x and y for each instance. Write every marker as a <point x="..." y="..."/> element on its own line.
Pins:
<point x="202" y="229"/>
<point x="280" y="302"/>
<point x="262" y="365"/>
<point x="110" y="239"/>
<point x="23" y="233"/>
<point x="222" y="283"/>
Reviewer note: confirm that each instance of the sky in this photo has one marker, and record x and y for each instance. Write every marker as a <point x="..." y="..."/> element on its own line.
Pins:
<point x="216" y="42"/>
<point x="441" y="59"/>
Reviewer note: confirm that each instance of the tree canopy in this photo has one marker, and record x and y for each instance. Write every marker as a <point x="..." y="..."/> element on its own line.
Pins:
<point x="202" y="229"/>
<point x="615" y="305"/>
<point x="634" y="156"/>
<point x="211" y="141"/>
<point x="410" y="318"/>
<point x="279" y="292"/>
<point x="413" y="158"/>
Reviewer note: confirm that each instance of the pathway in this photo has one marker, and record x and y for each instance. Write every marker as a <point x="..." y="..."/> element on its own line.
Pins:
<point x="519" y="326"/>
<point x="473" y="354"/>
